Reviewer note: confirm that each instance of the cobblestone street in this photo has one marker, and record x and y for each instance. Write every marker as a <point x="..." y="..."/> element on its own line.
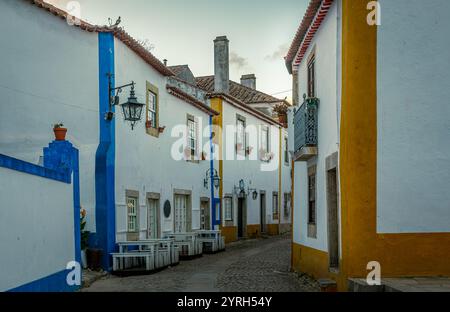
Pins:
<point x="247" y="266"/>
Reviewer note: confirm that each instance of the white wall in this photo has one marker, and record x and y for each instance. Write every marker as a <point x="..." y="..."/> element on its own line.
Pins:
<point x="42" y="62"/>
<point x="143" y="162"/>
<point x="36" y="228"/>
<point x="413" y="117"/>
<point x="251" y="170"/>
<point x="325" y="43"/>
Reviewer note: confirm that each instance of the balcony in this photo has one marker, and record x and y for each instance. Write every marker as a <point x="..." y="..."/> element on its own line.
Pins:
<point x="306" y="129"/>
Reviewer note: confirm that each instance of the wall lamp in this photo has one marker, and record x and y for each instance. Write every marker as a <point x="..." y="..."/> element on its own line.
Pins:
<point x="241" y="191"/>
<point x="131" y="109"/>
<point x="215" y="178"/>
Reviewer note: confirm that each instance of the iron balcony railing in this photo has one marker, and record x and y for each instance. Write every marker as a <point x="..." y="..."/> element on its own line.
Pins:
<point x="305" y="124"/>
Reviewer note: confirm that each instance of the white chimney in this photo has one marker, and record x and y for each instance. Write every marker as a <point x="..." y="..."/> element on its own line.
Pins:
<point x="221" y="65"/>
<point x="249" y="81"/>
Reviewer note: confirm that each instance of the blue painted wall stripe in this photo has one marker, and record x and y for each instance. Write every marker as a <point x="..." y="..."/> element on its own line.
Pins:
<point x="26" y="167"/>
<point x="52" y="283"/>
<point x="105" y="157"/>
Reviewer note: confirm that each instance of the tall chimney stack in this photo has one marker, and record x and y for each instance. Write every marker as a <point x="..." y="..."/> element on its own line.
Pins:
<point x="249" y="81"/>
<point x="221" y="65"/>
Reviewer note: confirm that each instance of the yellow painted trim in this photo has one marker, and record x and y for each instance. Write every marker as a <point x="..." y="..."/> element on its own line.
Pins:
<point x="217" y="105"/>
<point x="272" y="229"/>
<point x="292" y="210"/>
<point x="230" y="233"/>
<point x="280" y="188"/>
<point x="398" y="254"/>
<point x="253" y="230"/>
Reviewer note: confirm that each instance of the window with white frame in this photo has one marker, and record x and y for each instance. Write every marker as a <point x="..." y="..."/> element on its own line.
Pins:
<point x="287" y="204"/>
<point x="192" y="129"/>
<point x="228" y="204"/>
<point x="132" y="207"/>
<point x="265" y="139"/>
<point x="151" y="110"/>
<point x="240" y="135"/>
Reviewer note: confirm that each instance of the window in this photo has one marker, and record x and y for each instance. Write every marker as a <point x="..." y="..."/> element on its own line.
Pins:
<point x="265" y="139"/>
<point x="228" y="204"/>
<point x="132" y="207"/>
<point x="312" y="76"/>
<point x="287" y="205"/>
<point x="240" y="136"/>
<point x="312" y="196"/>
<point x="286" y="151"/>
<point x="152" y="110"/>
<point x="275" y="206"/>
<point x="192" y="133"/>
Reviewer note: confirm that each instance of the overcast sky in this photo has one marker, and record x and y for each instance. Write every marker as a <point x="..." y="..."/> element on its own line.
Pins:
<point x="183" y="31"/>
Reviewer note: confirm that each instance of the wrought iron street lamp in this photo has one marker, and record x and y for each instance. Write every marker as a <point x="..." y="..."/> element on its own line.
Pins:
<point x="131" y="109"/>
<point x="215" y="178"/>
<point x="240" y="190"/>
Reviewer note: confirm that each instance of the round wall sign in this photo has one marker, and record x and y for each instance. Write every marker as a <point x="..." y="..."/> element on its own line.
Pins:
<point x="167" y="209"/>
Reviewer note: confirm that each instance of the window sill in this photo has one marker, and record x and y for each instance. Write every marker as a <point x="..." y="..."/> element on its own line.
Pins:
<point x="153" y="132"/>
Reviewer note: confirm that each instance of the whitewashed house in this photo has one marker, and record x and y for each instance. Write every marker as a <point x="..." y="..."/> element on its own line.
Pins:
<point x="251" y="152"/>
<point x="371" y="169"/>
<point x="126" y="175"/>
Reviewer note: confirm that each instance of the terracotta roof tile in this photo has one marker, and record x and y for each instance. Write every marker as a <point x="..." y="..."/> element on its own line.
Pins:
<point x="118" y="32"/>
<point x="238" y="91"/>
<point x="302" y="30"/>
<point x="191" y="100"/>
<point x="176" y="69"/>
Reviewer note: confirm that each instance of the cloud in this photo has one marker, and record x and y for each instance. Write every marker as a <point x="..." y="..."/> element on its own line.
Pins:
<point x="279" y="53"/>
<point x="238" y="61"/>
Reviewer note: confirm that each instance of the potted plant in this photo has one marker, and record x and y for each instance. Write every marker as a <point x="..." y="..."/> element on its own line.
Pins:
<point x="60" y="132"/>
<point x="281" y="110"/>
<point x="84" y="238"/>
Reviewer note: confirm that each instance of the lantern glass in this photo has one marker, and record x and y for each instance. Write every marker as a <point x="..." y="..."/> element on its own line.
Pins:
<point x="241" y="184"/>
<point x="132" y="109"/>
<point x="216" y="181"/>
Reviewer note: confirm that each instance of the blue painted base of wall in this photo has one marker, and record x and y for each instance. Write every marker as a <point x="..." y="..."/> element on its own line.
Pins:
<point x="52" y="283"/>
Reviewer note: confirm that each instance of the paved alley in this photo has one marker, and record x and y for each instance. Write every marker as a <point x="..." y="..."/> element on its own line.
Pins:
<point x="260" y="265"/>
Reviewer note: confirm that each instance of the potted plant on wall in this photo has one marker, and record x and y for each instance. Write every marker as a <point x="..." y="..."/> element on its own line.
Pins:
<point x="60" y="132"/>
<point x="84" y="238"/>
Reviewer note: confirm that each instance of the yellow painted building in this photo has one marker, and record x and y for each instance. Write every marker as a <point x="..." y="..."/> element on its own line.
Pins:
<point x="371" y="181"/>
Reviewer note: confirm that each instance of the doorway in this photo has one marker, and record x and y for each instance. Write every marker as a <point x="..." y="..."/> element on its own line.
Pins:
<point x="262" y="206"/>
<point x="152" y="218"/>
<point x="182" y="216"/>
<point x="241" y="217"/>
<point x="333" y="218"/>
<point x="205" y="215"/>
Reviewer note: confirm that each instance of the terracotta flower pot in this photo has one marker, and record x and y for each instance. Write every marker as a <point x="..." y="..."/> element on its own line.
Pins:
<point x="60" y="134"/>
